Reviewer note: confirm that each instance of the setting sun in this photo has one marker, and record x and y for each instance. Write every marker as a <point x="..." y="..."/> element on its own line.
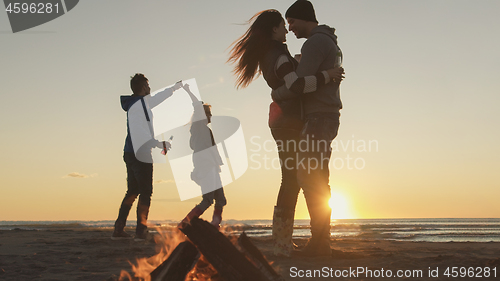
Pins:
<point x="340" y="206"/>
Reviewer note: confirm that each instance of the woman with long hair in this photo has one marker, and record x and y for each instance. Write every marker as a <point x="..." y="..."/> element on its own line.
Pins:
<point x="261" y="50"/>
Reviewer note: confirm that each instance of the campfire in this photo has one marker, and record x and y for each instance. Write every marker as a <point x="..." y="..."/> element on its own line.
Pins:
<point x="166" y="243"/>
<point x="203" y="254"/>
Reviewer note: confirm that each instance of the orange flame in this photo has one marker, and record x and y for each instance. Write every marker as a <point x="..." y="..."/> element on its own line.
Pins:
<point x="165" y="243"/>
<point x="203" y="271"/>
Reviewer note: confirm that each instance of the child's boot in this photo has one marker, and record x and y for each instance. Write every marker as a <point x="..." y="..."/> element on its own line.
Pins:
<point x="217" y="218"/>
<point x="194" y="213"/>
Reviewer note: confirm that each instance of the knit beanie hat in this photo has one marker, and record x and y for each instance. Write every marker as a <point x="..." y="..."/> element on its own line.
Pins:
<point x="302" y="10"/>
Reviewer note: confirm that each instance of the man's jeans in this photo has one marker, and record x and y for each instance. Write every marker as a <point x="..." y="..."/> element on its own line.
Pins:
<point x="313" y="171"/>
<point x="139" y="183"/>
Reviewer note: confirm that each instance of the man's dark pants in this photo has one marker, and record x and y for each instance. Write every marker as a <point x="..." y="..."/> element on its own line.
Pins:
<point x="313" y="171"/>
<point x="139" y="183"/>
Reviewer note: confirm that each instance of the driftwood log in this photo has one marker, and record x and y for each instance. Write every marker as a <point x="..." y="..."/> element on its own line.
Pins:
<point x="178" y="264"/>
<point x="230" y="263"/>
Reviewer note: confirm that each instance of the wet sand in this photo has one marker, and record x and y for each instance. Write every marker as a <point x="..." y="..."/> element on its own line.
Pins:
<point x="90" y="254"/>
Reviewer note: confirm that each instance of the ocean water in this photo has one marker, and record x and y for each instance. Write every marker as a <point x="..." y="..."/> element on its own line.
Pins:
<point x="418" y="230"/>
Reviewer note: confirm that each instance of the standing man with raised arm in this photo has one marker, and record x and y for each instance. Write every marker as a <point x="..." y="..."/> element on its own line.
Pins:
<point x="139" y="169"/>
<point x="322" y="112"/>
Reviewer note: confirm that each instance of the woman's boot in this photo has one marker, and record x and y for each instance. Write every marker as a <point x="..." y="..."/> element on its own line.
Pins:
<point x="283" y="231"/>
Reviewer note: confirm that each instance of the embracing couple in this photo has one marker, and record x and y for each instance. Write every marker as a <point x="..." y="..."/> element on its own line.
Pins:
<point x="303" y="117"/>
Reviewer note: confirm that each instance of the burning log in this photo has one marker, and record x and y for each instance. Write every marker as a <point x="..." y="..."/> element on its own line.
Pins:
<point x="230" y="263"/>
<point x="178" y="264"/>
<point x="257" y="258"/>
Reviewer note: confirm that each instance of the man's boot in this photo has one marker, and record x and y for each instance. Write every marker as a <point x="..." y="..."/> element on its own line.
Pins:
<point x="141" y="231"/>
<point x="283" y="231"/>
<point x="319" y="243"/>
<point x="119" y="232"/>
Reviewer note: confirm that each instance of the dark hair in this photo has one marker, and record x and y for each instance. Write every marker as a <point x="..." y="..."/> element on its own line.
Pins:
<point x="137" y="81"/>
<point x="207" y="107"/>
<point x="250" y="48"/>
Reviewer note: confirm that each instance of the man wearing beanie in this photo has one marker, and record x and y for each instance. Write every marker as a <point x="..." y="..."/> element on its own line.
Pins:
<point x="321" y="112"/>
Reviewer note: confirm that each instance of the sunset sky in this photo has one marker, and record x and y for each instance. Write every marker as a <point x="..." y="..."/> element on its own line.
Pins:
<point x="421" y="91"/>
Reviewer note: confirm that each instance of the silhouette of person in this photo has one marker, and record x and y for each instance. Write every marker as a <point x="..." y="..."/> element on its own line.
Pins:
<point x="262" y="49"/>
<point x="322" y="113"/>
<point x="139" y="171"/>
<point x="206" y="162"/>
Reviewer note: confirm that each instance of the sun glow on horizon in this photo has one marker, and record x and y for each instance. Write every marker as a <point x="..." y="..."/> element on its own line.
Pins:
<point x="340" y="206"/>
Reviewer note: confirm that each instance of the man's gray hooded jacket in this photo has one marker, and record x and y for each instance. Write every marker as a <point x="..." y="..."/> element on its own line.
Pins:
<point x="320" y="52"/>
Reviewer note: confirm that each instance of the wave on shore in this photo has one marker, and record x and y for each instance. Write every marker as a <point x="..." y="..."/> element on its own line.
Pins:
<point x="418" y="230"/>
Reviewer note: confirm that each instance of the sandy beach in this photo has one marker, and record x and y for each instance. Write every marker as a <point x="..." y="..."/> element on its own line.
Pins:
<point x="90" y="254"/>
